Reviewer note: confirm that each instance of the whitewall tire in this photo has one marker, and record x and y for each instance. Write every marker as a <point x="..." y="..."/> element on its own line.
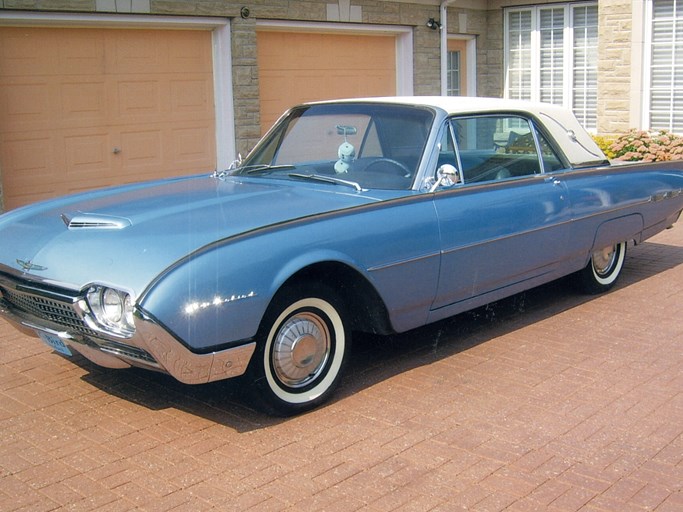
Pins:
<point x="603" y="269"/>
<point x="303" y="347"/>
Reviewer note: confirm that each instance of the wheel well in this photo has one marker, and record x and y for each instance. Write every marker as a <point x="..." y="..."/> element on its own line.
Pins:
<point x="365" y="307"/>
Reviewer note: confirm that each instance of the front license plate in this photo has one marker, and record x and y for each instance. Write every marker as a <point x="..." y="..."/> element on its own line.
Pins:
<point x="55" y="342"/>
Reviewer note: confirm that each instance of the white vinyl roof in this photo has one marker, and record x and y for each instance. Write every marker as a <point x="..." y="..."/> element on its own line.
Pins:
<point x="577" y="145"/>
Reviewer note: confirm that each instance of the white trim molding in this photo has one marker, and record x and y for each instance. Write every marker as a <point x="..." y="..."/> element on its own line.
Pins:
<point x="639" y="103"/>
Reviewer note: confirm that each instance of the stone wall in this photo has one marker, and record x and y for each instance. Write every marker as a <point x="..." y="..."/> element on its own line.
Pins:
<point x="489" y="37"/>
<point x="490" y="58"/>
<point x="245" y="84"/>
<point x="615" y="87"/>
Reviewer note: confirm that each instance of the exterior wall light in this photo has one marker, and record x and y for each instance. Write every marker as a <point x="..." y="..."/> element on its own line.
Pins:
<point x="433" y="24"/>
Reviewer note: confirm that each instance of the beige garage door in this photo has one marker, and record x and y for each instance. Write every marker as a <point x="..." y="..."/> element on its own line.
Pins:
<point x="86" y="108"/>
<point x="297" y="67"/>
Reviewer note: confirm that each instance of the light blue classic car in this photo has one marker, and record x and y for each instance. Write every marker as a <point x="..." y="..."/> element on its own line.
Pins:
<point x="378" y="215"/>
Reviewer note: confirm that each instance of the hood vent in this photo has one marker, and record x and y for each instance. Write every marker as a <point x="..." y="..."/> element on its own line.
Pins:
<point x="92" y="221"/>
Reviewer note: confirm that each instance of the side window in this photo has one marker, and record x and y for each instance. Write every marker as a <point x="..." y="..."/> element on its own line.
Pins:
<point x="551" y="161"/>
<point x="495" y="147"/>
<point x="447" y="150"/>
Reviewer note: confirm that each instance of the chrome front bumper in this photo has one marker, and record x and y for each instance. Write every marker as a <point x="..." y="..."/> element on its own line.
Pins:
<point x="150" y="347"/>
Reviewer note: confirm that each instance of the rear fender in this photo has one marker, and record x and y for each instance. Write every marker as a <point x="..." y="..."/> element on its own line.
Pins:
<point x="622" y="229"/>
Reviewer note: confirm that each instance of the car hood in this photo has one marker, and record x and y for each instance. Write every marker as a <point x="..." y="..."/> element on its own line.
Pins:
<point x="127" y="235"/>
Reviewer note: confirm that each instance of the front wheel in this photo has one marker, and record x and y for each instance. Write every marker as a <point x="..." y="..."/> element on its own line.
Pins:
<point x="303" y="348"/>
<point x="603" y="269"/>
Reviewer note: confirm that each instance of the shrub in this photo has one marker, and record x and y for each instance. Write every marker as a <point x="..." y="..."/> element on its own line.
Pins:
<point x="604" y="142"/>
<point x="638" y="145"/>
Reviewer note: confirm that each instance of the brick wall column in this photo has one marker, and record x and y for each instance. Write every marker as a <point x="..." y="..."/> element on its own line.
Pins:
<point x="490" y="56"/>
<point x="615" y="94"/>
<point x="245" y="78"/>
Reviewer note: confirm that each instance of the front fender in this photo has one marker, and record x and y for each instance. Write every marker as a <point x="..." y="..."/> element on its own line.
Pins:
<point x="217" y="297"/>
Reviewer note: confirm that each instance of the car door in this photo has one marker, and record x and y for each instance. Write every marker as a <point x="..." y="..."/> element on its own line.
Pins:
<point x="505" y="226"/>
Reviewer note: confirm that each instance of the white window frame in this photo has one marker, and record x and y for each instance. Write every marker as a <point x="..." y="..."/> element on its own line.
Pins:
<point x="568" y="47"/>
<point x="470" y="63"/>
<point x="451" y="71"/>
<point x="647" y="69"/>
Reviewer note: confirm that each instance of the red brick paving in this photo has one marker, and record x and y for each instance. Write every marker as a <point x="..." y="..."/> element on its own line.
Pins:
<point x="547" y="401"/>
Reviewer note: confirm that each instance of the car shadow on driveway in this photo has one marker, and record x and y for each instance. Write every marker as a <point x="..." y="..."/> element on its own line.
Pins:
<point x="377" y="358"/>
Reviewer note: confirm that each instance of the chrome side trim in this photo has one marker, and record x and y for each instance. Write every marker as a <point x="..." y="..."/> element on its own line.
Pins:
<point x="662" y="196"/>
<point x="404" y="262"/>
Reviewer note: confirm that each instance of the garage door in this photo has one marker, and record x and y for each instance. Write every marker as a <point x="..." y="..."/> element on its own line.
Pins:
<point x="86" y="108"/>
<point x="297" y="67"/>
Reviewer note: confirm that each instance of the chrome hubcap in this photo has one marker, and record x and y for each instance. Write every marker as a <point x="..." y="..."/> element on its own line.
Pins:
<point x="604" y="260"/>
<point x="300" y="349"/>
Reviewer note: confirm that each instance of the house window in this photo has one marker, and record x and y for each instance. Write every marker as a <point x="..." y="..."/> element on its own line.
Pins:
<point x="551" y="56"/>
<point x="453" y="72"/>
<point x="666" y="66"/>
<point x="457" y="66"/>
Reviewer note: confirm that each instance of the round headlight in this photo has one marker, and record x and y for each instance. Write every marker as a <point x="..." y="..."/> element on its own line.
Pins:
<point x="128" y="311"/>
<point x="112" y="306"/>
<point x="112" y="310"/>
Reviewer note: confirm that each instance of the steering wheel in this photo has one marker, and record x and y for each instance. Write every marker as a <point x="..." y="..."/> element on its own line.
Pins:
<point x="394" y="166"/>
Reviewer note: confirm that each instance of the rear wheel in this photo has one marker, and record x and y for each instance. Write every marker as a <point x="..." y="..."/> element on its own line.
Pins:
<point x="303" y="349"/>
<point x="603" y="269"/>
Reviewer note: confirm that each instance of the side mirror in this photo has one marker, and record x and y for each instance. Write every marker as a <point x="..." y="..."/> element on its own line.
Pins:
<point x="446" y="176"/>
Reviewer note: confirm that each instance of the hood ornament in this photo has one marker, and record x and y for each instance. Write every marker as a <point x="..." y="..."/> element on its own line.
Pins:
<point x="28" y="265"/>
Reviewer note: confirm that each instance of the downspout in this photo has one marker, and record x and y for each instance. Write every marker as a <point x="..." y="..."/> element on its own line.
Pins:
<point x="444" y="45"/>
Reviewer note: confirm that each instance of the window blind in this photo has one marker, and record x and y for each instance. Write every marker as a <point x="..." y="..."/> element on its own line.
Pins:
<point x="666" y="69"/>
<point x="551" y="56"/>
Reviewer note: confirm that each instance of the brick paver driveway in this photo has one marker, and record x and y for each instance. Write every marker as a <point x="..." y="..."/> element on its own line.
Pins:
<point x="548" y="401"/>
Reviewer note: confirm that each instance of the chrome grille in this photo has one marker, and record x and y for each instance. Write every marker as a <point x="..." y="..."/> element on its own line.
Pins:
<point x="55" y="311"/>
<point x="56" y="307"/>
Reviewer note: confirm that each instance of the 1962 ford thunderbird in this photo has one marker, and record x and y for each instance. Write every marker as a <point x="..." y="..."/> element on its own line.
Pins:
<point x="376" y="215"/>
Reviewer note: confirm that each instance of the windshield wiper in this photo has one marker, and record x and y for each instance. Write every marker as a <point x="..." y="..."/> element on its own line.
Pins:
<point x="327" y="179"/>
<point x="262" y="168"/>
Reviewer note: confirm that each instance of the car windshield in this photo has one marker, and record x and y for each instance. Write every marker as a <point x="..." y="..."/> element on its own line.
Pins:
<point x="371" y="146"/>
